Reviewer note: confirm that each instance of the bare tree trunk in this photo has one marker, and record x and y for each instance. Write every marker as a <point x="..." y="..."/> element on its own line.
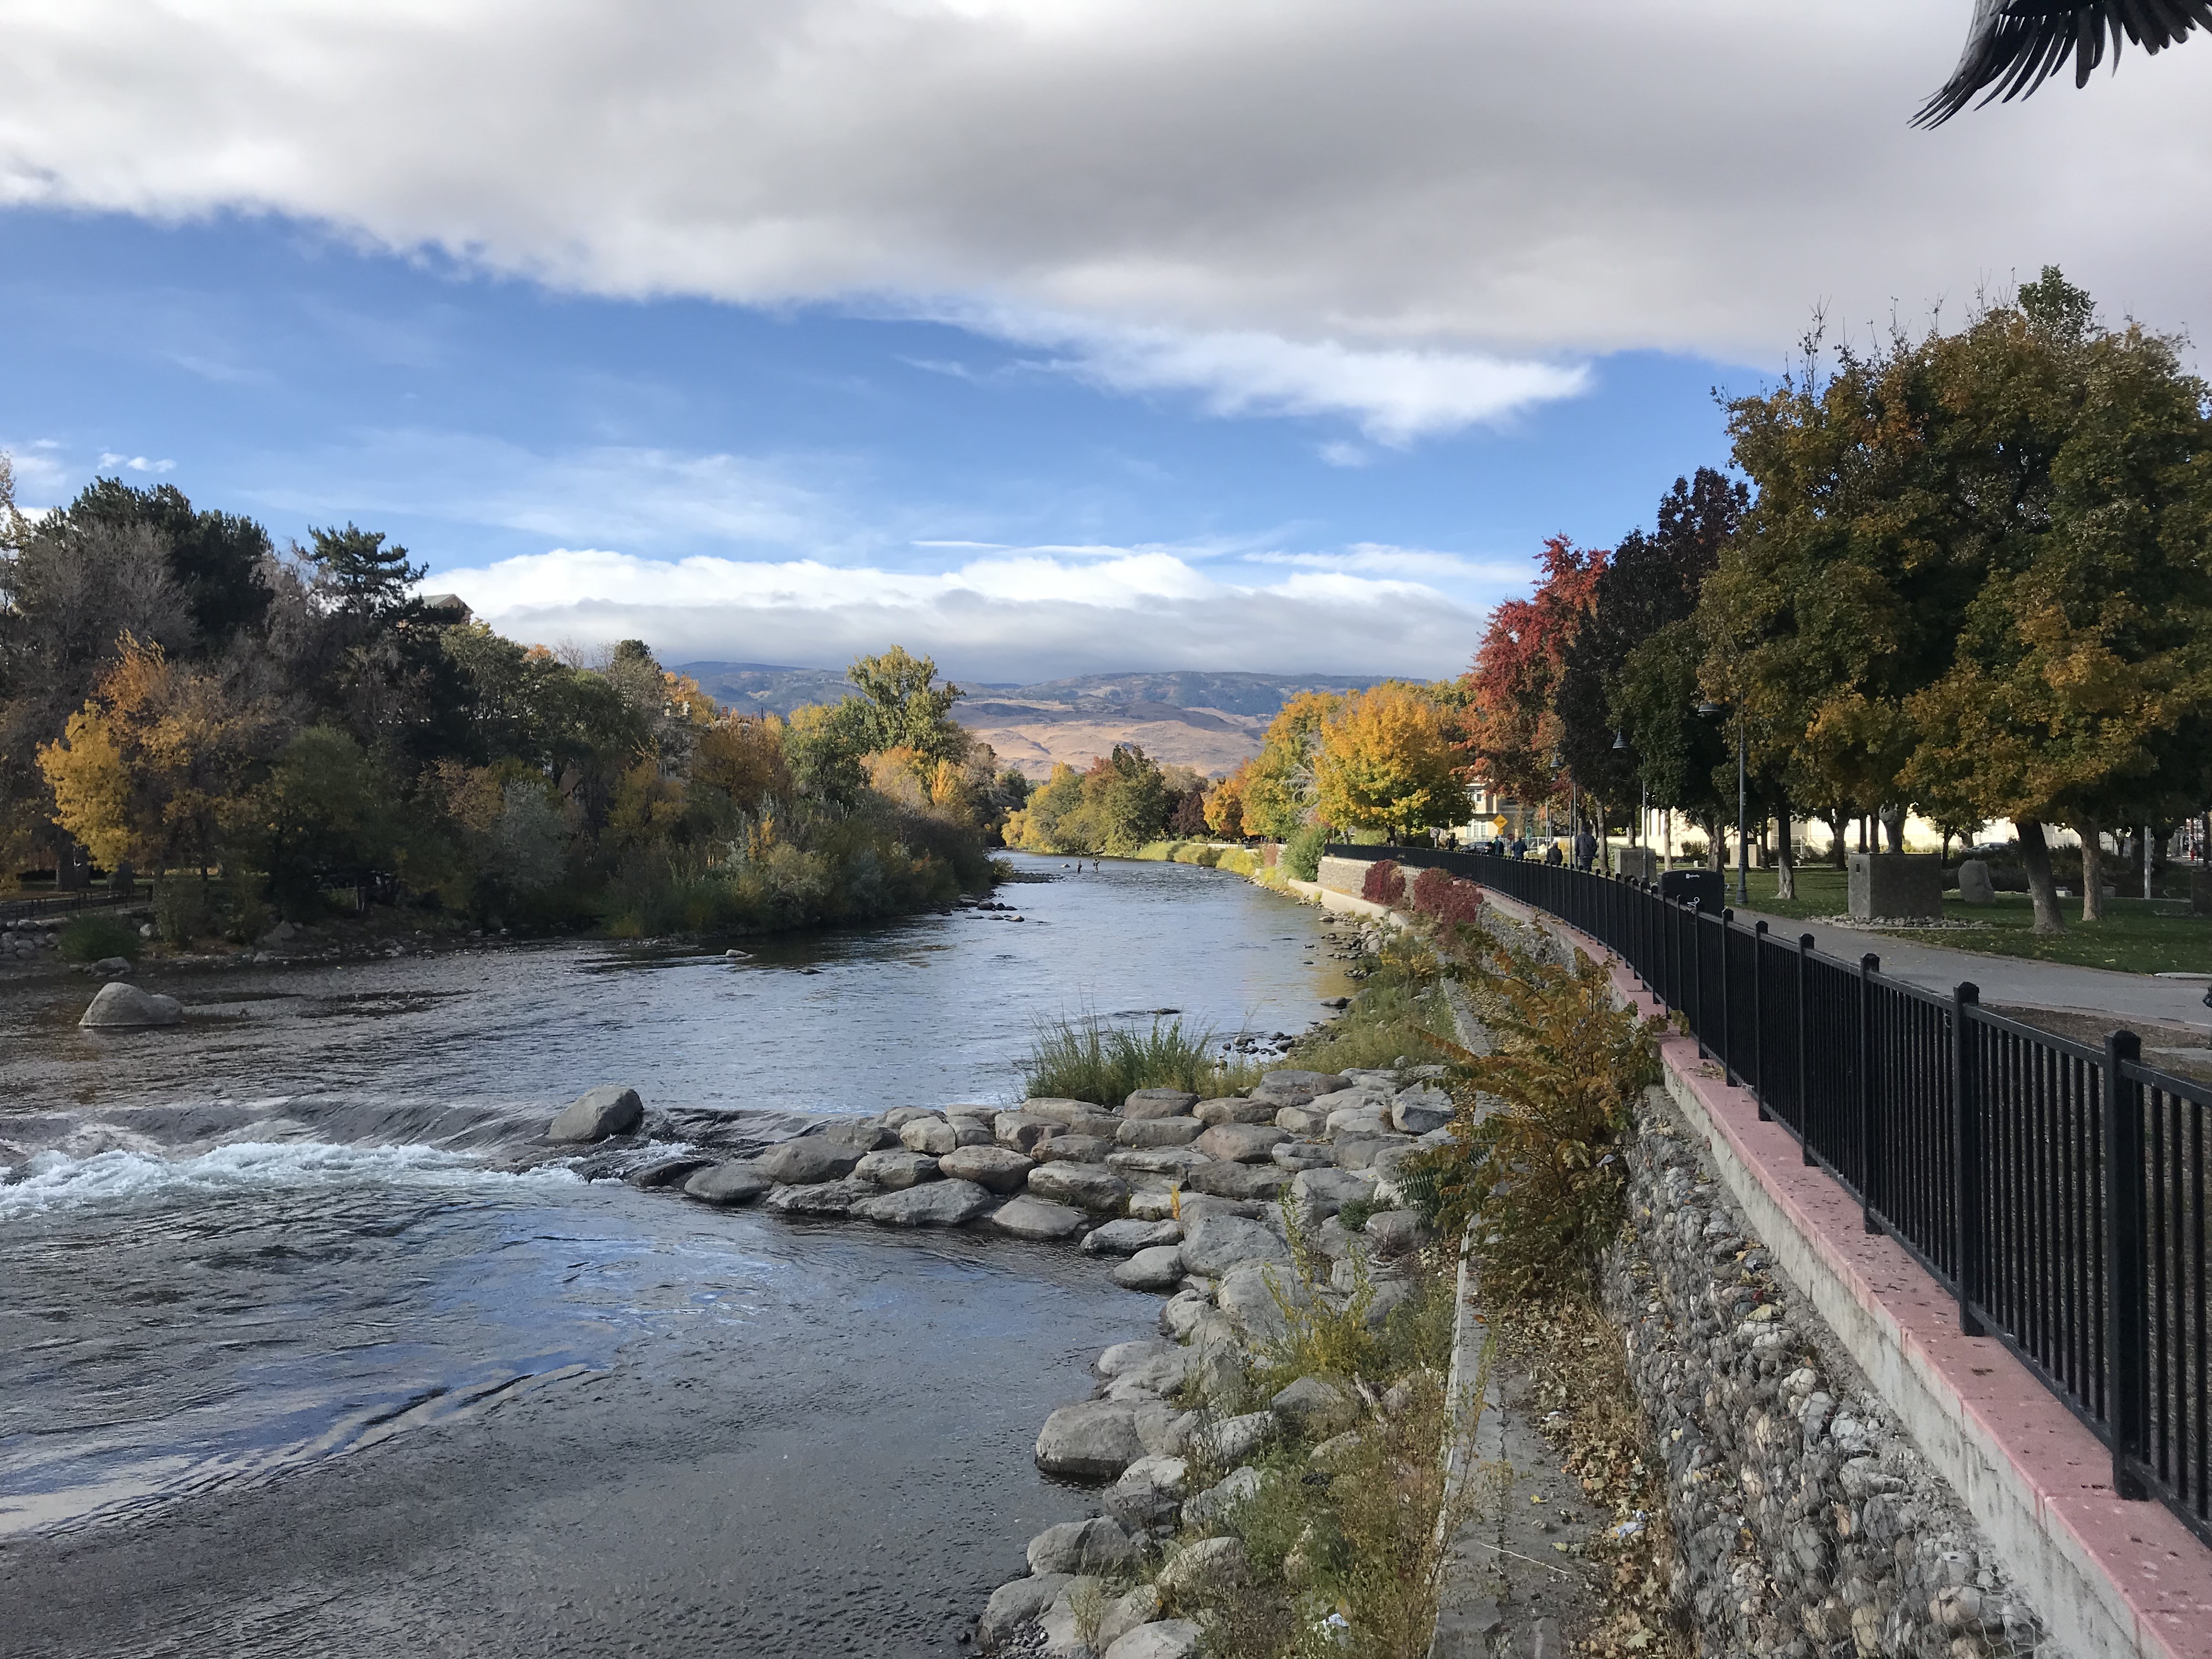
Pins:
<point x="1837" y="819"/>
<point x="1715" y="843"/>
<point x="2035" y="853"/>
<point x="1785" y="862"/>
<point x="2093" y="872"/>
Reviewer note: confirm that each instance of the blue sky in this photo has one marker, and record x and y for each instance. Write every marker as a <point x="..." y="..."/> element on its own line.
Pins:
<point x="1049" y="339"/>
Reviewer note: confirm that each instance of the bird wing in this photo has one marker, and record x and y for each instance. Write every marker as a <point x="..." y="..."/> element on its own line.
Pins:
<point x="2013" y="45"/>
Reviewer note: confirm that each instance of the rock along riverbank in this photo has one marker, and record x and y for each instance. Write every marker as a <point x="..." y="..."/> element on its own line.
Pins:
<point x="1177" y="1197"/>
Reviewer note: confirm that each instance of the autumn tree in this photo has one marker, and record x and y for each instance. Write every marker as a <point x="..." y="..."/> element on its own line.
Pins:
<point x="2080" y="691"/>
<point x="1622" y="680"/>
<point x="158" y="766"/>
<point x="1513" y="725"/>
<point x="1384" y="761"/>
<point x="1278" y="790"/>
<point x="1224" y="804"/>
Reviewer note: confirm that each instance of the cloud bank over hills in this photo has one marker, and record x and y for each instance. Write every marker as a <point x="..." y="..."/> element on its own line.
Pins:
<point x="1012" y="616"/>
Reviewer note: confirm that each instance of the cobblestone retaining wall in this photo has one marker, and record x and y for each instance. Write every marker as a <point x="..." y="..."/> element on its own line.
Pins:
<point x="1810" y="1524"/>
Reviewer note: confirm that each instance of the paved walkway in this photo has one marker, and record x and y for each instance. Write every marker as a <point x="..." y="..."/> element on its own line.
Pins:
<point x="2015" y="981"/>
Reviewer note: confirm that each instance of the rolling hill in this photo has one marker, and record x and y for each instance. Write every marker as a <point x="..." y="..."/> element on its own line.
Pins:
<point x="1207" y="722"/>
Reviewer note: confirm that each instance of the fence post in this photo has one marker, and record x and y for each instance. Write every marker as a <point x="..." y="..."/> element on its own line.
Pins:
<point x="1758" y="1019"/>
<point x="1869" y="965"/>
<point x="1696" y="911"/>
<point x="1729" y="1073"/>
<point x="1804" y="1043"/>
<point x="2126" y="1339"/>
<point x="1966" y="1158"/>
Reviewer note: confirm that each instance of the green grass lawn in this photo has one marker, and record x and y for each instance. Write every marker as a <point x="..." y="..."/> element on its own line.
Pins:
<point x="2133" y="937"/>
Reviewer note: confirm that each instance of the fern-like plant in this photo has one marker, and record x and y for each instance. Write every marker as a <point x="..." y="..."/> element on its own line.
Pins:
<point x="1538" y="1174"/>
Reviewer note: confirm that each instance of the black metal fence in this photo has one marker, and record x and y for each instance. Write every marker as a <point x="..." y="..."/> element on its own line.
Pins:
<point x="2056" y="1190"/>
<point x="102" y="897"/>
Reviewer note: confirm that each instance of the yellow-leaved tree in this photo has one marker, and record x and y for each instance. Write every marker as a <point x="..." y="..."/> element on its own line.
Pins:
<point x="1385" y="761"/>
<point x="160" y="766"/>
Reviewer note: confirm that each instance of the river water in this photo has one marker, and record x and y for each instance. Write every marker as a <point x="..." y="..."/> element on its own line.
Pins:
<point x="306" y="1349"/>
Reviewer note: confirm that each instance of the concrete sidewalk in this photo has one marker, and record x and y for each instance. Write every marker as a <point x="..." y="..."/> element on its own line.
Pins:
<point x="2016" y="981"/>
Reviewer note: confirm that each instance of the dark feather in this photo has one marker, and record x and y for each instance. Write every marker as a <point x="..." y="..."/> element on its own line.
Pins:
<point x="2014" y="46"/>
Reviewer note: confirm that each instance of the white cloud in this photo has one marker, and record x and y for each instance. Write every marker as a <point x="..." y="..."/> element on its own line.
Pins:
<point x="109" y="458"/>
<point x="1021" y="614"/>
<point x="41" y="476"/>
<point x="1395" y="393"/>
<point x="1478" y="184"/>
<point x="1374" y="558"/>
<point x="1339" y="454"/>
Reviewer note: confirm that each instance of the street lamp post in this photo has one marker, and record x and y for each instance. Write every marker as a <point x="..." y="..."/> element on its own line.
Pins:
<point x="1742" y="803"/>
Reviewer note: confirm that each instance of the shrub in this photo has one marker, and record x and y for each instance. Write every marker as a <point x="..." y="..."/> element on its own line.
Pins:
<point x="96" y="937"/>
<point x="1540" y="1177"/>
<point x="184" y="910"/>
<point x="1398" y="1011"/>
<point x="1088" y="1059"/>
<point x="1384" y="883"/>
<point x="1301" y="859"/>
<point x="1439" y="894"/>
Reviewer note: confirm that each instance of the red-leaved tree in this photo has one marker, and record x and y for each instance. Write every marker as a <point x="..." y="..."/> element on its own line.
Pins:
<point x="1512" y="686"/>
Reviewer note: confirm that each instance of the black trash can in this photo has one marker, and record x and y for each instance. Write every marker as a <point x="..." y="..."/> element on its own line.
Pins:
<point x="1708" y="888"/>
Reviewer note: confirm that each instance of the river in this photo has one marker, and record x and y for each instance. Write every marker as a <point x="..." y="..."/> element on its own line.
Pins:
<point x="305" y="1349"/>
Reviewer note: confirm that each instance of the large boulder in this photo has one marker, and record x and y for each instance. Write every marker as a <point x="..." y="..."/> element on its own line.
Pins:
<point x="1294" y="1088"/>
<point x="862" y="1134"/>
<point x="932" y="1135"/>
<point x="1358" y="1151"/>
<point x="1315" y="1408"/>
<point x="1159" y="1103"/>
<point x="1230" y="1109"/>
<point x="936" y="1203"/>
<point x="1098" y="1545"/>
<point x="611" y="1108"/>
<point x="1301" y="1119"/>
<point x="1158" y="1378"/>
<point x="896" y="1170"/>
<point x="1083" y="1185"/>
<point x="1297" y="1155"/>
<point x="1124" y="1613"/>
<point x="1094" y="1440"/>
<point x="1018" y="1132"/>
<point x="1075" y="1117"/>
<point x="1252" y="1295"/>
<point x="120" y="1008"/>
<point x="1226" y="1496"/>
<point x="1320" y="1193"/>
<point x="1163" y="1638"/>
<point x="1073" y="1149"/>
<point x="1149" y="1491"/>
<point x="807" y="1160"/>
<point x="1037" y="1220"/>
<point x="992" y="1167"/>
<point x="1396" y="1231"/>
<point x="1157" y="1160"/>
<point x="1260" y="1182"/>
<point x="1142" y="1133"/>
<point x="1418" y="1110"/>
<point x="1058" y="1109"/>
<point x="1128" y="1238"/>
<point x="727" y="1184"/>
<point x="1212" y="1246"/>
<point x="1975" y="886"/>
<point x="825" y="1199"/>
<point x="1156" y="1267"/>
<point x="1015" y="1605"/>
<point x="1240" y="1143"/>
<point x="1211" y="1564"/>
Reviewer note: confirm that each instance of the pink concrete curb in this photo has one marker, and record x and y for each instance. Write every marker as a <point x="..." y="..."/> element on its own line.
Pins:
<point x="2021" y="1456"/>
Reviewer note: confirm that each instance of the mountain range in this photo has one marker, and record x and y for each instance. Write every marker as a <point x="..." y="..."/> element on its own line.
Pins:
<point x="1207" y="722"/>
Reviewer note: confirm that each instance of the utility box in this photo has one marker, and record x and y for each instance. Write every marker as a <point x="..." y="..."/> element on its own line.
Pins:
<point x="1638" y="863"/>
<point x="1706" y="889"/>
<point x="1896" y="887"/>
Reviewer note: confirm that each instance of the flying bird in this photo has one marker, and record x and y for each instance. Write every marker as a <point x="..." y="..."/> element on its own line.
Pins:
<point x="2014" y="46"/>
